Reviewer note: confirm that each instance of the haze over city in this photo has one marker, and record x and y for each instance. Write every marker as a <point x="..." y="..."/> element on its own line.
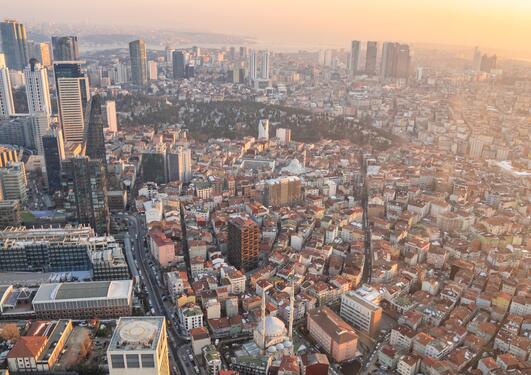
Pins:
<point x="259" y="187"/>
<point x="503" y="25"/>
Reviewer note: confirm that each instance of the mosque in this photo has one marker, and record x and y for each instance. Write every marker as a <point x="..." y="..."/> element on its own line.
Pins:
<point x="277" y="340"/>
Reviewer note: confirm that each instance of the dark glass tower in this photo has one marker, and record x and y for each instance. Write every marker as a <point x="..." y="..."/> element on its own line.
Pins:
<point x="370" y="58"/>
<point x="53" y="152"/>
<point x="94" y="145"/>
<point x="65" y="48"/>
<point x="14" y="44"/>
<point x="137" y="53"/>
<point x="179" y="63"/>
<point x="84" y="187"/>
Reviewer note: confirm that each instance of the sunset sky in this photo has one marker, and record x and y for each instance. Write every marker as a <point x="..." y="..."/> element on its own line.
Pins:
<point x="503" y="25"/>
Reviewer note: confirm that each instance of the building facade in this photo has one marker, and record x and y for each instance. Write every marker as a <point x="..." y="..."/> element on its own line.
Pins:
<point x="243" y="243"/>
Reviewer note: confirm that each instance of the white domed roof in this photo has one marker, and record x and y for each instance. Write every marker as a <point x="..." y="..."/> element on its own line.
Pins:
<point x="274" y="327"/>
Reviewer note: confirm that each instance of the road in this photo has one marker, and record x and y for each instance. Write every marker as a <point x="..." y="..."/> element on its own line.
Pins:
<point x="137" y="233"/>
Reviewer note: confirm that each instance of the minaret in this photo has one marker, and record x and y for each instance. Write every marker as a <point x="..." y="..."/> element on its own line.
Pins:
<point x="263" y="321"/>
<point x="291" y="307"/>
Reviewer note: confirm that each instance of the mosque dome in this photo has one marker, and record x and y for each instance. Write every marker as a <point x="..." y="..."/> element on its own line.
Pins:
<point x="274" y="327"/>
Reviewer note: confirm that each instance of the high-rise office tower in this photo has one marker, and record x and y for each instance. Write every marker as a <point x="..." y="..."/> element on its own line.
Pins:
<point x="94" y="144"/>
<point x="388" y="63"/>
<point x="14" y="44"/>
<point x="7" y="105"/>
<point x="14" y="183"/>
<point x="243" y="243"/>
<point x="179" y="62"/>
<point x="65" y="48"/>
<point x="402" y="61"/>
<point x="84" y="188"/>
<point x="263" y="129"/>
<point x="110" y="116"/>
<point x="487" y="63"/>
<point x="52" y="143"/>
<point x="169" y="55"/>
<point x="476" y="59"/>
<point x="253" y="65"/>
<point x="354" y="56"/>
<point x="264" y="65"/>
<point x="185" y="164"/>
<point x="153" y="70"/>
<point x="137" y="53"/>
<point x="179" y="163"/>
<point x="38" y="125"/>
<point x="243" y="53"/>
<point x="43" y="53"/>
<point x="395" y="60"/>
<point x="73" y="94"/>
<point x="37" y="88"/>
<point x="153" y="164"/>
<point x="370" y="58"/>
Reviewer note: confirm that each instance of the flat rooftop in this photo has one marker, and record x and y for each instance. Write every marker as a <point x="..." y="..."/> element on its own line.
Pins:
<point x="84" y="290"/>
<point x="136" y="333"/>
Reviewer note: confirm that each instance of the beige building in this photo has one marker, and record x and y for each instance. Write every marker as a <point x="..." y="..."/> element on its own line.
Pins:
<point x="332" y="333"/>
<point x="139" y="346"/>
<point x="361" y="308"/>
<point x="282" y="191"/>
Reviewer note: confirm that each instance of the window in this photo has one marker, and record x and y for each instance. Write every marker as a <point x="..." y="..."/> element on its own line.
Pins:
<point x="148" y="360"/>
<point x="117" y="361"/>
<point x="132" y="361"/>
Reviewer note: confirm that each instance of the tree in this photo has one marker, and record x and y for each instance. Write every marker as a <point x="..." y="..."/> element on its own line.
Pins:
<point x="10" y="332"/>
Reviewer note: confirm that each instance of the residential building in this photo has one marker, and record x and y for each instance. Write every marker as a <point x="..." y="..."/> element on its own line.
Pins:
<point x="37" y="88"/>
<point x="243" y="243"/>
<point x="190" y="316"/>
<point x="212" y="360"/>
<point x="14" y="183"/>
<point x="7" y="105"/>
<point x="283" y="191"/>
<point x="10" y="213"/>
<point x="110" y="116"/>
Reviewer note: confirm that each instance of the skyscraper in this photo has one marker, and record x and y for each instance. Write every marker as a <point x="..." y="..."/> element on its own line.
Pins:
<point x="402" y="61"/>
<point x="395" y="60"/>
<point x="263" y="129"/>
<point x="65" y="48"/>
<point x="264" y="65"/>
<point x="370" y="58"/>
<point x="14" y="44"/>
<point x="52" y="143"/>
<point x="153" y="70"/>
<point x="43" y="53"/>
<point x="243" y="243"/>
<point x="179" y="62"/>
<point x="37" y="88"/>
<point x="354" y="56"/>
<point x="73" y="94"/>
<point x="185" y="163"/>
<point x="39" y="123"/>
<point x="110" y="115"/>
<point x="94" y="145"/>
<point x="487" y="63"/>
<point x="253" y="66"/>
<point x="7" y="105"/>
<point x="388" y="63"/>
<point x="84" y="188"/>
<point x="137" y="53"/>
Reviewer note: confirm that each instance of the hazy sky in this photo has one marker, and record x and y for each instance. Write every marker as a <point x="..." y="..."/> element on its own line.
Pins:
<point x="497" y="24"/>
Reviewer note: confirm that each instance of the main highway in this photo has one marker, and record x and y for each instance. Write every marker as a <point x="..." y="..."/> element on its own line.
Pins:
<point x="177" y="344"/>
